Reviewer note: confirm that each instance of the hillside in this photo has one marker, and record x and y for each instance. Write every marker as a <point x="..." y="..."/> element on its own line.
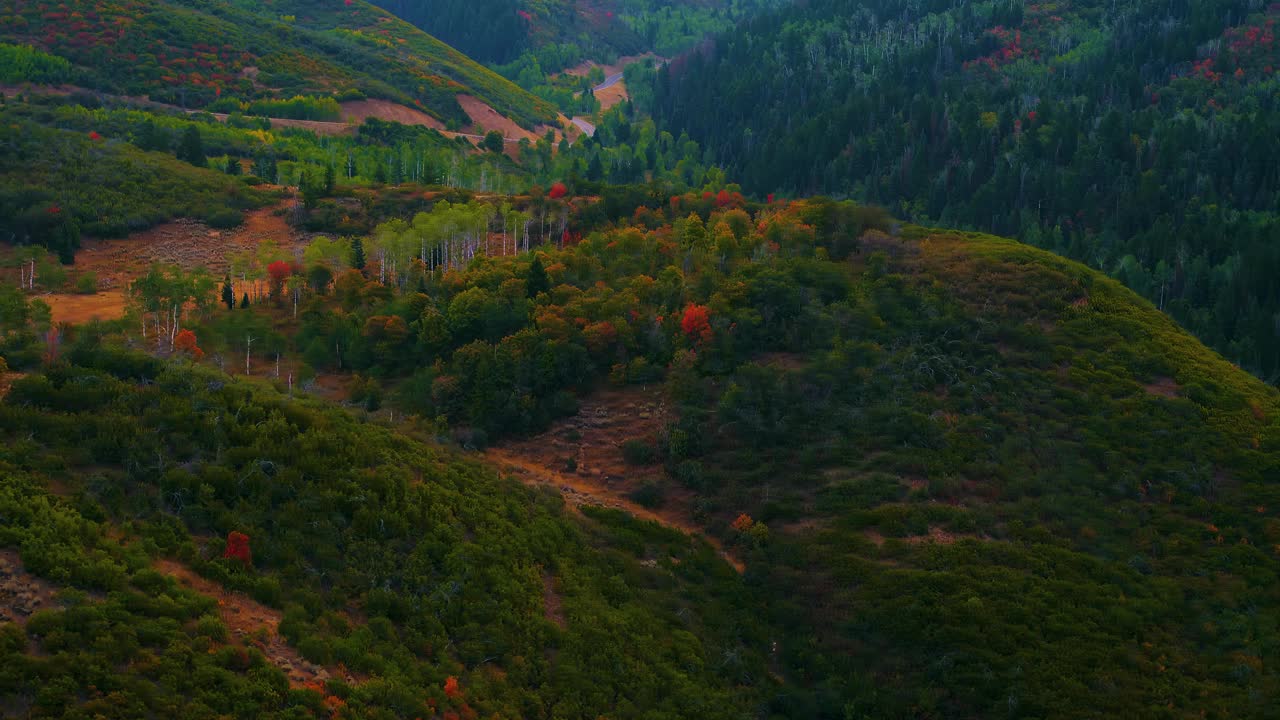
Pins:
<point x="195" y="53"/>
<point x="76" y="168"/>
<point x="1135" y="137"/>
<point x="343" y="379"/>
<point x="959" y="469"/>
<point x="411" y="582"/>
<point x="964" y="477"/>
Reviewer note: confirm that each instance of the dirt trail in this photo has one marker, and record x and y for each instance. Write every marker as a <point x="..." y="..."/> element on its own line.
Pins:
<point x="581" y="457"/>
<point x="252" y="623"/>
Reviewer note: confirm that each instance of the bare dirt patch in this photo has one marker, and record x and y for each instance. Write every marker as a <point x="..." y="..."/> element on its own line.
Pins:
<point x="485" y="118"/>
<point x="358" y="111"/>
<point x="78" y="309"/>
<point x="581" y="457"/>
<point x="1164" y="387"/>
<point x="253" y="624"/>
<point x="21" y="593"/>
<point x="186" y="243"/>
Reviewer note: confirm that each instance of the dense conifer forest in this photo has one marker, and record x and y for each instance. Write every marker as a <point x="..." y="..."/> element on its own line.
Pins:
<point x="1138" y="137"/>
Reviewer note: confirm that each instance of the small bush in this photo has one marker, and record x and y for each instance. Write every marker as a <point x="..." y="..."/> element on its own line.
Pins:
<point x="637" y="452"/>
<point x="648" y="495"/>
<point x="212" y="628"/>
<point x="689" y="473"/>
<point x="87" y="284"/>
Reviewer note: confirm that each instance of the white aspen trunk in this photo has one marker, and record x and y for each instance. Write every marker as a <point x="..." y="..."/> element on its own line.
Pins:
<point x="248" y="346"/>
<point x="173" y="327"/>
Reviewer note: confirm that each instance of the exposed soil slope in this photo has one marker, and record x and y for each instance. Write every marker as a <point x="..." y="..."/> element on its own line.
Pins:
<point x="591" y="444"/>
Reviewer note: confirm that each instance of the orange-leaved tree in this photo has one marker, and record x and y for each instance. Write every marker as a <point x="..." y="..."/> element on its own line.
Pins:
<point x="451" y="687"/>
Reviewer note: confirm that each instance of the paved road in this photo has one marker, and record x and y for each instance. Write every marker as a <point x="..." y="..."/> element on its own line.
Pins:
<point x="609" y="82"/>
<point x="582" y="123"/>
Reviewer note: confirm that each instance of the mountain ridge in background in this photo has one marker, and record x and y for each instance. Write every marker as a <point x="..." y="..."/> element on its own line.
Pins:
<point x="1135" y="137"/>
<point x="195" y="54"/>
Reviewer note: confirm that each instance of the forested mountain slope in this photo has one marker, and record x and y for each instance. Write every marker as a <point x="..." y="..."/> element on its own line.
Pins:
<point x="960" y="469"/>
<point x="967" y="478"/>
<point x="195" y="53"/>
<point x="1138" y="137"/>
<point x="426" y="584"/>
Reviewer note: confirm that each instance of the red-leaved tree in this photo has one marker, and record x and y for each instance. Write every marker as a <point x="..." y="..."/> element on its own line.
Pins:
<point x="279" y="272"/>
<point x="696" y="323"/>
<point x="238" y="548"/>
<point x="185" y="341"/>
<point x="557" y="191"/>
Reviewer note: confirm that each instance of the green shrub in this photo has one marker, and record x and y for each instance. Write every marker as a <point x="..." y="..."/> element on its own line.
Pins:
<point x="224" y="219"/>
<point x="87" y="283"/>
<point x="212" y="628"/>
<point x="637" y="452"/>
<point x="649" y="495"/>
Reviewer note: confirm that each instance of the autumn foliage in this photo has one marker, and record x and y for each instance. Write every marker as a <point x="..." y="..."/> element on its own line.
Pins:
<point x="451" y="687"/>
<point x="238" y="548"/>
<point x="557" y="191"/>
<point x="185" y="342"/>
<point x="278" y="271"/>
<point x="696" y="323"/>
